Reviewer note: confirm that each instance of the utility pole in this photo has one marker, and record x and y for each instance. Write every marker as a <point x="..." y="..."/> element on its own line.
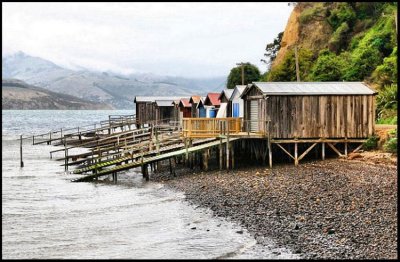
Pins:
<point x="297" y="63"/>
<point x="242" y="64"/>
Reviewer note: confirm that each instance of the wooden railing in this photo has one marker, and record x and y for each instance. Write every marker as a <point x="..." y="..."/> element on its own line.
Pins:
<point x="210" y="127"/>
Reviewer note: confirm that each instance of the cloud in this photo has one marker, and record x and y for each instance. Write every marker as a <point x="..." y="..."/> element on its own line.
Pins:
<point x="185" y="39"/>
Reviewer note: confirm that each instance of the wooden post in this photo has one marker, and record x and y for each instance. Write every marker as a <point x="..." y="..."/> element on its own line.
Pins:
<point x="109" y="125"/>
<point x="345" y="146"/>
<point x="20" y="151"/>
<point x="174" y="158"/>
<point x="297" y="64"/>
<point x="296" y="159"/>
<point x="61" y="133"/>
<point x="221" y="158"/>
<point x="65" y="156"/>
<point x="49" y="142"/>
<point x="170" y="166"/>
<point x="233" y="155"/>
<point x="269" y="145"/>
<point x="205" y="159"/>
<point x="66" y="149"/>
<point x="146" y="172"/>
<point x="33" y="140"/>
<point x="227" y="145"/>
<point x="323" y="150"/>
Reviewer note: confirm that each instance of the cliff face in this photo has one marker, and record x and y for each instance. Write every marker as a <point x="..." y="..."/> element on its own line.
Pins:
<point x="339" y="41"/>
<point x="314" y="35"/>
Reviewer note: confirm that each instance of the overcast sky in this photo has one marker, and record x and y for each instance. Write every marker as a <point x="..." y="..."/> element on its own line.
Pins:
<point x="179" y="39"/>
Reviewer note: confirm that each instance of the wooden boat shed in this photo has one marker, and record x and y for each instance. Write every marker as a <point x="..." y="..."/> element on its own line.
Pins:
<point x="194" y="101"/>
<point x="236" y="102"/>
<point x="155" y="109"/>
<point x="305" y="110"/>
<point x="185" y="108"/>
<point x="224" y="98"/>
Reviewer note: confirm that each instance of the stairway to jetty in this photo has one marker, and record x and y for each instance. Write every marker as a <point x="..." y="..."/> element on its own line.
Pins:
<point x="147" y="160"/>
<point x="118" y="145"/>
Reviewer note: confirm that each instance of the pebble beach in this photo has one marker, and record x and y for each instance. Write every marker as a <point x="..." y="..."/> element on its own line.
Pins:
<point x="332" y="209"/>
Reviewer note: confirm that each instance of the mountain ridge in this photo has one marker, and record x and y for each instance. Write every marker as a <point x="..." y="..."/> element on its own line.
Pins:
<point x="106" y="87"/>
<point x="17" y="94"/>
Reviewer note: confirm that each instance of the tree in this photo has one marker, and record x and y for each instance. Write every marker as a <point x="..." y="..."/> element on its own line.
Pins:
<point x="286" y="70"/>
<point x="271" y="50"/>
<point x="251" y="73"/>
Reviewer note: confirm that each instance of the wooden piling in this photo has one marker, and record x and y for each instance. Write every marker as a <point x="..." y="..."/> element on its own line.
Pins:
<point x="323" y="150"/>
<point x="205" y="159"/>
<point x="233" y="155"/>
<point x="221" y="159"/>
<point x="296" y="159"/>
<point x="20" y="151"/>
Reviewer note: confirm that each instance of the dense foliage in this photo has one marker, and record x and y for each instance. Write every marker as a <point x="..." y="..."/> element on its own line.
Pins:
<point x="251" y="74"/>
<point x="361" y="47"/>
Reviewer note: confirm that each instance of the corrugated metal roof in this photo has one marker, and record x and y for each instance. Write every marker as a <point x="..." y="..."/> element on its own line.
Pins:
<point x="164" y="102"/>
<point x="238" y="89"/>
<point x="228" y="92"/>
<point x="314" y="88"/>
<point x="154" y="98"/>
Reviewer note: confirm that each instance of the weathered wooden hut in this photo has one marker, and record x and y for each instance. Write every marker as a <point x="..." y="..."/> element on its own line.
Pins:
<point x="201" y="108"/>
<point x="212" y="103"/>
<point x="194" y="101"/>
<point x="155" y="109"/>
<point x="185" y="107"/>
<point x="310" y="109"/>
<point x="225" y="104"/>
<point x="236" y="102"/>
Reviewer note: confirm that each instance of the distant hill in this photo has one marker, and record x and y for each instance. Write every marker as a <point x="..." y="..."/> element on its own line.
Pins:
<point x="115" y="89"/>
<point x="17" y="94"/>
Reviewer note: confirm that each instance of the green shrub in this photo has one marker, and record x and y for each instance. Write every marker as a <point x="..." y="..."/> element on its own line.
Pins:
<point x="386" y="101"/>
<point x="338" y="38"/>
<point x="286" y="70"/>
<point x="309" y="13"/>
<point x="388" y="121"/>
<point x="342" y="13"/>
<point x="328" y="67"/>
<point x="386" y="73"/>
<point x="371" y="143"/>
<point x="391" y="145"/>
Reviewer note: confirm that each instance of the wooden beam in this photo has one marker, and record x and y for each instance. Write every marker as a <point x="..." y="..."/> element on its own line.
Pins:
<point x="285" y="150"/>
<point x="296" y="160"/>
<point x="358" y="148"/>
<point x="334" y="149"/>
<point x="308" y="150"/>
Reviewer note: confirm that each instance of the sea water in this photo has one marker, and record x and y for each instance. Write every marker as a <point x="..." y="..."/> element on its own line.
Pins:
<point x="45" y="215"/>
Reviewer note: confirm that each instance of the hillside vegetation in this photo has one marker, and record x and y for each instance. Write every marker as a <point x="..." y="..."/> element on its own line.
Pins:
<point x="342" y="41"/>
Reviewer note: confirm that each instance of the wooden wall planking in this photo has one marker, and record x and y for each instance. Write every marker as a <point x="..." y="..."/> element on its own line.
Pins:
<point x="339" y="116"/>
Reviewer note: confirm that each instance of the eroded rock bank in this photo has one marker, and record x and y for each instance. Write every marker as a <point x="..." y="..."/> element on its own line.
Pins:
<point x="321" y="209"/>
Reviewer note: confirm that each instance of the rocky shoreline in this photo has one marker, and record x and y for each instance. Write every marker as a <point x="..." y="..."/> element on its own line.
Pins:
<point x="335" y="208"/>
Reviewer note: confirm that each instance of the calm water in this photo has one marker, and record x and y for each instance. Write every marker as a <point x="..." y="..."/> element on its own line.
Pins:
<point x="44" y="215"/>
